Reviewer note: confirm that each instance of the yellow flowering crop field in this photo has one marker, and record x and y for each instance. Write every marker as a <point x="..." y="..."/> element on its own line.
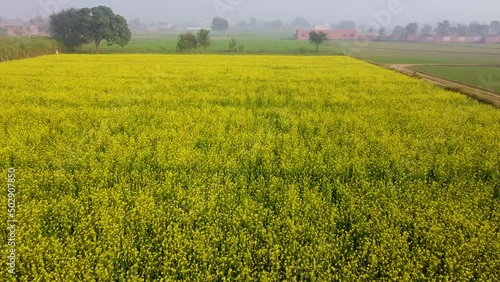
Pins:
<point x="244" y="168"/>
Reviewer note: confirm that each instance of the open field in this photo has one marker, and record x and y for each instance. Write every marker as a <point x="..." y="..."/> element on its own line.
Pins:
<point x="486" y="77"/>
<point x="422" y="53"/>
<point x="251" y="45"/>
<point x="282" y="43"/>
<point x="382" y="53"/>
<point x="246" y="168"/>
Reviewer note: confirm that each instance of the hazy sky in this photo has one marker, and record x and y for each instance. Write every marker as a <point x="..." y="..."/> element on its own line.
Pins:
<point x="360" y="11"/>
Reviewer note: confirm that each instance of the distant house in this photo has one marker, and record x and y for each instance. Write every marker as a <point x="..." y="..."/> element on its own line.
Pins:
<point x="19" y="28"/>
<point x="206" y="26"/>
<point x="322" y="27"/>
<point x="198" y="28"/>
<point x="32" y="30"/>
<point x="14" y="30"/>
<point x="151" y="28"/>
<point x="9" y="22"/>
<point x="332" y="34"/>
<point x="165" y="26"/>
<point x="492" y="39"/>
<point x="458" y="39"/>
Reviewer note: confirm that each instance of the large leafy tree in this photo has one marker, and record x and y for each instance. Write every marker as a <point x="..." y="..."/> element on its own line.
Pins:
<point x="443" y="28"/>
<point x="74" y="27"/>
<point x="426" y="30"/>
<point x="186" y="42"/>
<point x="203" y="37"/>
<point x="495" y="27"/>
<point x="398" y="32"/>
<point x="411" y="30"/>
<point x="317" y="38"/>
<point x="105" y="25"/>
<point x="220" y="24"/>
<point x="70" y="27"/>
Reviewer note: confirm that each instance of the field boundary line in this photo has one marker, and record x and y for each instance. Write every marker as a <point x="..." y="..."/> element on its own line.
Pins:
<point x="480" y="94"/>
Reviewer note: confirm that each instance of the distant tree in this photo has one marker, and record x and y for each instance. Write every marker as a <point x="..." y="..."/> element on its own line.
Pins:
<point x="186" y="42"/>
<point x="136" y="22"/>
<point x="398" y="32"/>
<point x="453" y="31"/>
<point x="443" y="28"/>
<point x="3" y="30"/>
<point x="495" y="27"/>
<point x="253" y="22"/>
<point x="105" y="25"/>
<point x="242" y="24"/>
<point x="232" y="45"/>
<point x="317" y="38"/>
<point x="411" y="30"/>
<point x="220" y="24"/>
<point x="477" y="29"/>
<point x="426" y="30"/>
<point x="203" y="38"/>
<point x="381" y="32"/>
<point x="71" y="27"/>
<point x="299" y="22"/>
<point x="41" y="22"/>
<point x="462" y="30"/>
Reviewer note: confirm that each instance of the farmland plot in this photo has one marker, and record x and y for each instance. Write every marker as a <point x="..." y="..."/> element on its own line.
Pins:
<point x="246" y="168"/>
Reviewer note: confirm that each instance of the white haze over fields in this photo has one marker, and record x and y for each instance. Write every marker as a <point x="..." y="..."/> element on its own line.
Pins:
<point x="390" y="12"/>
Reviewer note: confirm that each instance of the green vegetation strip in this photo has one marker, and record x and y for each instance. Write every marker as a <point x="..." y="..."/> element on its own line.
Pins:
<point x="485" y="77"/>
<point x="13" y="48"/>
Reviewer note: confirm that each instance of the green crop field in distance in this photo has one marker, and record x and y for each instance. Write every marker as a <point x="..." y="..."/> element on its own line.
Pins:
<point x="421" y="53"/>
<point x="283" y="43"/>
<point x="486" y="77"/>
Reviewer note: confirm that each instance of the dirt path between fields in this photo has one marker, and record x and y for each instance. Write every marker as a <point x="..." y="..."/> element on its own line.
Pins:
<point x="477" y="93"/>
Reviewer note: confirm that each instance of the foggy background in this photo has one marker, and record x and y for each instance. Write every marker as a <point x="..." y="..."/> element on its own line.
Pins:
<point x="315" y="11"/>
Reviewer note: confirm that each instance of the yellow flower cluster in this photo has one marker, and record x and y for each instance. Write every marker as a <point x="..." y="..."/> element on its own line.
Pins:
<point x="246" y="168"/>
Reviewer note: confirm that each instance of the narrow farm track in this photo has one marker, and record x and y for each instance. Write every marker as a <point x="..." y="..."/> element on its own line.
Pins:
<point x="474" y="92"/>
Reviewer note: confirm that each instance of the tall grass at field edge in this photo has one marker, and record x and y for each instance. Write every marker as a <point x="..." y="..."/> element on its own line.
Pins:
<point x="14" y="48"/>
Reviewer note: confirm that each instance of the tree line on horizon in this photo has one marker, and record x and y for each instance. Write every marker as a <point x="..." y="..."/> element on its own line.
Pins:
<point x="444" y="28"/>
<point x="75" y="27"/>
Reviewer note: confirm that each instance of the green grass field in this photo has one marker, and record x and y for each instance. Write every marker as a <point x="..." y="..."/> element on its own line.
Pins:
<point x="283" y="43"/>
<point x="421" y="53"/>
<point x="486" y="77"/>
<point x="220" y="45"/>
